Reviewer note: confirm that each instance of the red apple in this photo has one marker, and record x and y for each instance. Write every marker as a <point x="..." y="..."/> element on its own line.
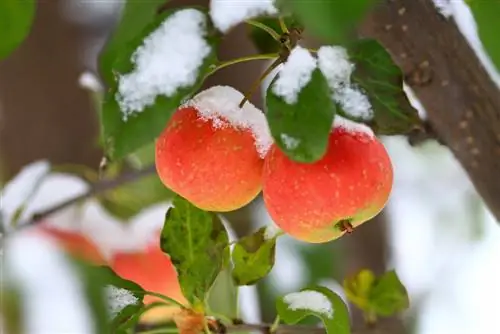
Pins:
<point x="209" y="151"/>
<point x="321" y="201"/>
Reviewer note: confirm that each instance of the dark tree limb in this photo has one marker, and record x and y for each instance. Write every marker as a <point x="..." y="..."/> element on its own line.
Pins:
<point x="461" y="100"/>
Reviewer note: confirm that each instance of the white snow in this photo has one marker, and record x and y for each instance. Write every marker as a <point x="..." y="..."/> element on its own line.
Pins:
<point x="118" y="299"/>
<point x="351" y="126"/>
<point x="294" y="75"/>
<point x="20" y="189"/>
<point x="228" y="13"/>
<point x="52" y="295"/>
<point x="290" y="142"/>
<point x="271" y="231"/>
<point x="309" y="300"/>
<point x="444" y="7"/>
<point x="168" y="61"/>
<point x="91" y="82"/>
<point x="220" y="104"/>
<point x="333" y="61"/>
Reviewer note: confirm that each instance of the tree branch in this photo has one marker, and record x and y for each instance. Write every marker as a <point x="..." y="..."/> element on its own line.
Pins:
<point x="95" y="189"/>
<point x="461" y="100"/>
<point x="381" y="328"/>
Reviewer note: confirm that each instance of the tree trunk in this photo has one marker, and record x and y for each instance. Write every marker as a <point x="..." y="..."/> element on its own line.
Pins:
<point x="461" y="100"/>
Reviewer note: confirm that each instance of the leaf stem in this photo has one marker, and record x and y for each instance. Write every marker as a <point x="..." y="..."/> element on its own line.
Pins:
<point x="283" y="26"/>
<point x="266" y="28"/>
<point x="165" y="298"/>
<point x="261" y="78"/>
<point x="227" y="63"/>
<point x="275" y="324"/>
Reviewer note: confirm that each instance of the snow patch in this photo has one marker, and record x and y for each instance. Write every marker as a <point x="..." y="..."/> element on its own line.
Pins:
<point x="290" y="142"/>
<point x="309" y="300"/>
<point x="350" y="126"/>
<point x="333" y="61"/>
<point x="167" y="61"/>
<point x="295" y="74"/>
<point x="220" y="104"/>
<point x="271" y="231"/>
<point x="52" y="295"/>
<point x="90" y="81"/>
<point x="118" y="299"/>
<point x="20" y="190"/>
<point x="444" y="7"/>
<point x="228" y="13"/>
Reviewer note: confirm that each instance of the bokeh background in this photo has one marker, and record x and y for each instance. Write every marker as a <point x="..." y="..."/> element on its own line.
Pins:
<point x="436" y="232"/>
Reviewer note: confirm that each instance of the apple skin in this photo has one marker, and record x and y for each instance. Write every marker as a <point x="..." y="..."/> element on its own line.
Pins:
<point x="217" y="168"/>
<point x="321" y="201"/>
<point x="74" y="243"/>
<point x="153" y="271"/>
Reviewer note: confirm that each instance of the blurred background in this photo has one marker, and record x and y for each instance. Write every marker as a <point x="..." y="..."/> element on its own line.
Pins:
<point x="436" y="232"/>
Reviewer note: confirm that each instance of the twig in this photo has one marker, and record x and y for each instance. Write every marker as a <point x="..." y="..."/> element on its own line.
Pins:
<point x="95" y="189"/>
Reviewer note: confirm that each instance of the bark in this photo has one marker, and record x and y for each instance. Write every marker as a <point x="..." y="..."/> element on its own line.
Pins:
<point x="461" y="100"/>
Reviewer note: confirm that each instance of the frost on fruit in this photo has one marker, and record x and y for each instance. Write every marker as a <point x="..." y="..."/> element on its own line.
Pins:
<point x="168" y="60"/>
<point x="226" y="13"/>
<point x="290" y="142"/>
<point x="333" y="61"/>
<point x="220" y="104"/>
<point x="118" y="299"/>
<point x="309" y="300"/>
<point x="294" y="75"/>
<point x="51" y="291"/>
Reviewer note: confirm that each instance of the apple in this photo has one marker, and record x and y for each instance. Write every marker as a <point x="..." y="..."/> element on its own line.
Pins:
<point x="321" y="201"/>
<point x="212" y="151"/>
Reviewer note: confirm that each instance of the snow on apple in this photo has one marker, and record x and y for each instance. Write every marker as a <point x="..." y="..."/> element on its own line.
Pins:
<point x="227" y="14"/>
<point x="294" y="75"/>
<point x="309" y="300"/>
<point x="168" y="60"/>
<point x="220" y="104"/>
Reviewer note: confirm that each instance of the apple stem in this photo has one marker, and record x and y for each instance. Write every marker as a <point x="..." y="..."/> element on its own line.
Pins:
<point x="346" y="226"/>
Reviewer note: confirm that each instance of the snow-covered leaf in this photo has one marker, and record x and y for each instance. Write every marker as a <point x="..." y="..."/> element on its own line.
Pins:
<point x="196" y="242"/>
<point x="317" y="301"/>
<point x="300" y="110"/>
<point x="331" y="20"/>
<point x="16" y="18"/>
<point x="227" y="14"/>
<point x="136" y="15"/>
<point x="382" y="81"/>
<point x="253" y="257"/>
<point x="486" y="14"/>
<point x="163" y="66"/>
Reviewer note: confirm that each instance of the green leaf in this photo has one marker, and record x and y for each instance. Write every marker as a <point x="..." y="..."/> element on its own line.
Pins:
<point x="388" y="295"/>
<point x="109" y="281"/>
<point x="317" y="301"/>
<point x="486" y="14"/>
<point x="130" y="199"/>
<point x="382" y="80"/>
<point x="358" y="288"/>
<point x="383" y="295"/>
<point x="223" y="296"/>
<point x="301" y="130"/>
<point x="123" y="137"/>
<point x="16" y="19"/>
<point x="253" y="257"/>
<point x="196" y="242"/>
<point x="136" y="16"/>
<point x="331" y="20"/>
